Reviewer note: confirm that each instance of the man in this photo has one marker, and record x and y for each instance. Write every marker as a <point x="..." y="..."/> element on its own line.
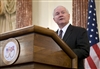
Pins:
<point x="75" y="37"/>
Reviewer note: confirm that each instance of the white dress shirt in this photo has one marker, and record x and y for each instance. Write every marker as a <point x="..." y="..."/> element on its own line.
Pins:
<point x="63" y="29"/>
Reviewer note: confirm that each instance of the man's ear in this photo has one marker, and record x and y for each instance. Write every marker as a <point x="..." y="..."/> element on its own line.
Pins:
<point x="69" y="16"/>
<point x="54" y="19"/>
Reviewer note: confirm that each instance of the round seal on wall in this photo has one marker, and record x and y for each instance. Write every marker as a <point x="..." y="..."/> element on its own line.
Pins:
<point x="10" y="51"/>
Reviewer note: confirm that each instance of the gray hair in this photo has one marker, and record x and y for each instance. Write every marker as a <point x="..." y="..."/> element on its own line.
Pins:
<point x="60" y="6"/>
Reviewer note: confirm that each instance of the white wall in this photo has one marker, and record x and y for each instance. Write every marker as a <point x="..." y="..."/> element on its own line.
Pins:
<point x="43" y="9"/>
<point x="98" y="14"/>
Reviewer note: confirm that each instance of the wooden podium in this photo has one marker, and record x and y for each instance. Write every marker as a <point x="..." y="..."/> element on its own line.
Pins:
<point x="39" y="48"/>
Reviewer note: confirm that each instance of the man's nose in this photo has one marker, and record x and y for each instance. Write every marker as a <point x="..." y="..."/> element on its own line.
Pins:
<point x="60" y="14"/>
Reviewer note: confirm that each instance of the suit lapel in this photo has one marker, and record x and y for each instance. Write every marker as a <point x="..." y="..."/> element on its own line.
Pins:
<point x="68" y="32"/>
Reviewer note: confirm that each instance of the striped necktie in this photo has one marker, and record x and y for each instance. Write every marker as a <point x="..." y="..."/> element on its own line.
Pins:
<point x="60" y="34"/>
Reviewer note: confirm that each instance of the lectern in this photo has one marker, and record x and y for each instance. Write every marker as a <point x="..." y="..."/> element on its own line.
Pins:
<point x="35" y="47"/>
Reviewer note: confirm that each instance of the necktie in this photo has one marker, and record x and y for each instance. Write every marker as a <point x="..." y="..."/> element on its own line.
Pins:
<point x="60" y="34"/>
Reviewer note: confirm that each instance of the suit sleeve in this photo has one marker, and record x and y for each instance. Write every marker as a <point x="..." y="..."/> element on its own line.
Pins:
<point x="82" y="43"/>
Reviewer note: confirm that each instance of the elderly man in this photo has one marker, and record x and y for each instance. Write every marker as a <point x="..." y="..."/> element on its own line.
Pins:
<point x="75" y="37"/>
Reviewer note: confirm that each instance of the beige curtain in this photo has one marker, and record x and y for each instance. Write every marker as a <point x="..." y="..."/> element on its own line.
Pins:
<point x="80" y="8"/>
<point x="7" y="15"/>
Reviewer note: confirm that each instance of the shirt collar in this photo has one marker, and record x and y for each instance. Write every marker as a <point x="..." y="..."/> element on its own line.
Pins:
<point x="63" y="29"/>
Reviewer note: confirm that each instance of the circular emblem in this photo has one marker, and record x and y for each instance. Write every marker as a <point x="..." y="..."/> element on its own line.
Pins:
<point x="10" y="51"/>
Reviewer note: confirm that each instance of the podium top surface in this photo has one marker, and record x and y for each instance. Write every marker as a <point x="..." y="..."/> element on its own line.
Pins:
<point x="26" y="30"/>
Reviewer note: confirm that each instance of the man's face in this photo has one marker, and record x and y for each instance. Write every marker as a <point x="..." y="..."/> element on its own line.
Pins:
<point x="61" y="16"/>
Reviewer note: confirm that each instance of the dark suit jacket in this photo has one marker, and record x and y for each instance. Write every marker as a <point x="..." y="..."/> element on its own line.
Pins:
<point x="76" y="38"/>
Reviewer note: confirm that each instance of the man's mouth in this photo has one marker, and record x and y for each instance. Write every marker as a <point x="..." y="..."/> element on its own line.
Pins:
<point x="61" y="18"/>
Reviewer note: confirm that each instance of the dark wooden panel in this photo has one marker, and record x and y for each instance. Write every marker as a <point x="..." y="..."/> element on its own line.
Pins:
<point x="48" y="52"/>
<point x="34" y="66"/>
<point x="26" y="49"/>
